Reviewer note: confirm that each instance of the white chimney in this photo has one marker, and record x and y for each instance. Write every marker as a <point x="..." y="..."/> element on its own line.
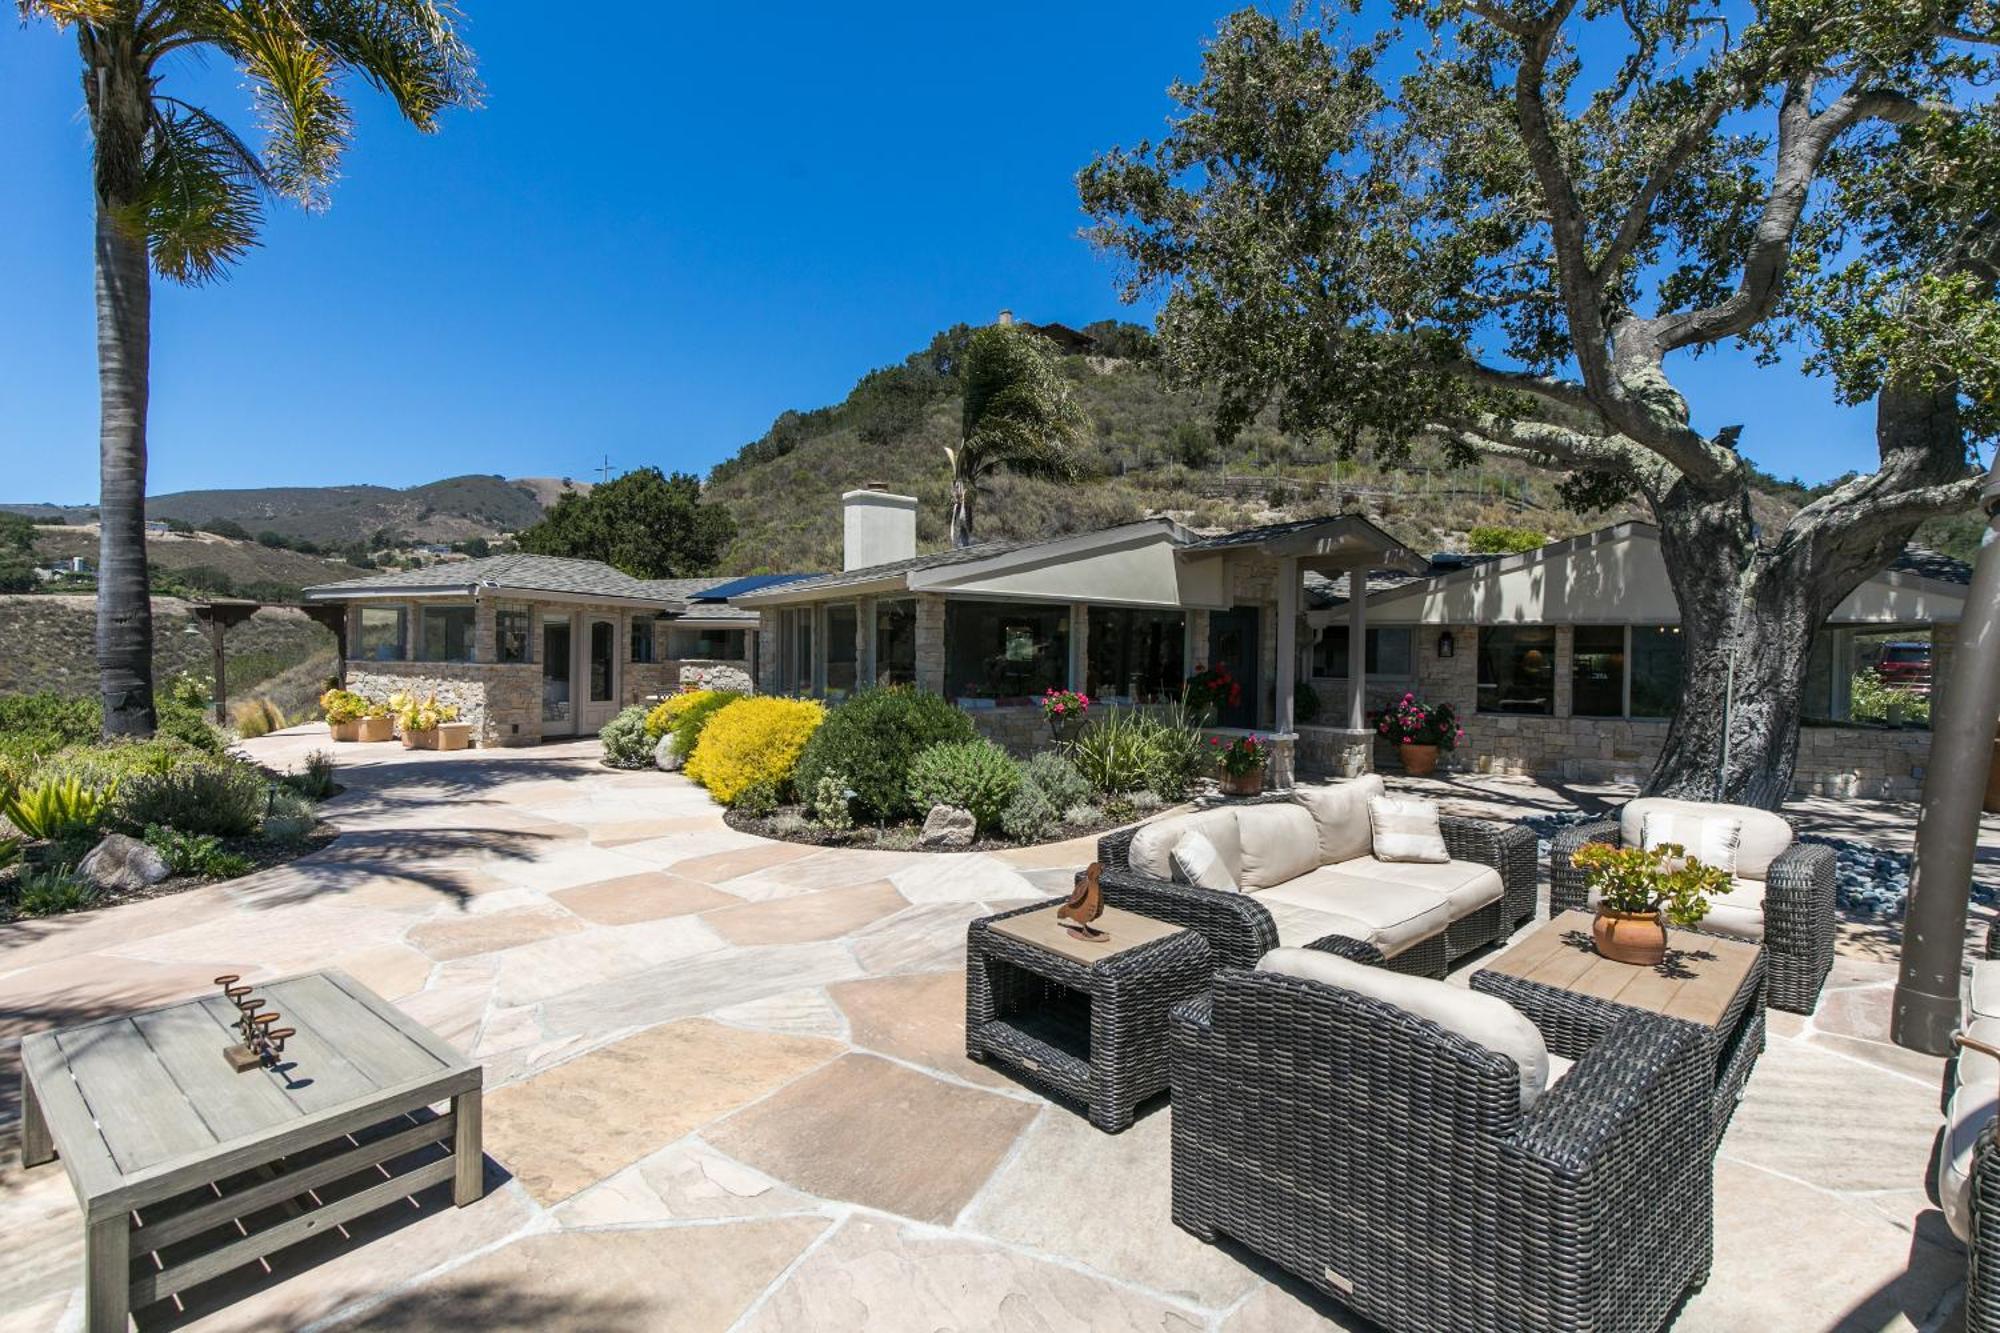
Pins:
<point x="1006" y="319"/>
<point x="878" y="528"/>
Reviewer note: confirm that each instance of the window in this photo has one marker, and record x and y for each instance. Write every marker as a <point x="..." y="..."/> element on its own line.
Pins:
<point x="896" y="643"/>
<point x="447" y="633"/>
<point x="1388" y="652"/>
<point x="642" y="639"/>
<point x="1135" y="655"/>
<point x="799" y="650"/>
<point x="382" y="634"/>
<point x="510" y="635"/>
<point x="1597" y="672"/>
<point x="1879" y="678"/>
<point x="1004" y="652"/>
<point x="841" y="628"/>
<point x="1517" y="670"/>
<point x="603" y="634"/>
<point x="725" y="645"/>
<point x="1656" y="670"/>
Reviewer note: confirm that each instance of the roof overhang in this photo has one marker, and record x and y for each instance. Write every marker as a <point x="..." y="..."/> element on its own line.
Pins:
<point x="405" y="592"/>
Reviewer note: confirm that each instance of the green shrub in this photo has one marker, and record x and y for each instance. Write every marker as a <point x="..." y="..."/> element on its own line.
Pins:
<point x="832" y="802"/>
<point x="872" y="739"/>
<point x="315" y="780"/>
<point x="10" y="851"/>
<point x="1497" y="539"/>
<point x="975" y="775"/>
<point x="1057" y="777"/>
<point x="751" y="743"/>
<point x="758" y="799"/>
<point x="43" y="723"/>
<point x="1084" y="814"/>
<point x="288" y="817"/>
<point x="1031" y="816"/>
<point x="59" y="808"/>
<point x="51" y="891"/>
<point x="189" y="725"/>
<point x="220" y="796"/>
<point x="626" y="744"/>
<point x="195" y="853"/>
<point x="688" y="722"/>
<point x="1131" y="750"/>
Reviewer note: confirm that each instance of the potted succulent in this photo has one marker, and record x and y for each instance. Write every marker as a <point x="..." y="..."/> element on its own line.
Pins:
<point x="1064" y="711"/>
<point x="1421" y="731"/>
<point x="1639" y="891"/>
<point x="1210" y="690"/>
<point x="376" y="724"/>
<point x="344" y="710"/>
<point x="1242" y="762"/>
<point x="420" y="718"/>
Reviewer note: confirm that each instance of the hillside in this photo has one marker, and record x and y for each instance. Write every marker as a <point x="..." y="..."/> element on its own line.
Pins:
<point x="245" y="565"/>
<point x="50" y="645"/>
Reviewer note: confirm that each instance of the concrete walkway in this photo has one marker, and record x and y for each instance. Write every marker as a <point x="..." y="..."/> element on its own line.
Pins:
<point x="727" y="1089"/>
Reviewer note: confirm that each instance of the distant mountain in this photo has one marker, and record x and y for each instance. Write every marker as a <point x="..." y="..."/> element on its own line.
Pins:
<point x="442" y="511"/>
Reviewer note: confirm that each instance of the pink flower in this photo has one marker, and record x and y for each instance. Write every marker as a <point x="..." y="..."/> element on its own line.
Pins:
<point x="1059" y="708"/>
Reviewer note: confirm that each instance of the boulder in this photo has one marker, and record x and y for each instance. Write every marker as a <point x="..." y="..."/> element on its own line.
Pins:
<point x="122" y="863"/>
<point x="948" y="826"/>
<point x="664" y="757"/>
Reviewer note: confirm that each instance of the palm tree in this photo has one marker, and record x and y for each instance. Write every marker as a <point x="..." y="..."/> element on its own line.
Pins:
<point x="1018" y="415"/>
<point x="178" y="192"/>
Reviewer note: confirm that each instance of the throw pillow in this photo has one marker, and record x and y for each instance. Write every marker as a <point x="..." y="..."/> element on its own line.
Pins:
<point x="1406" y="830"/>
<point x="1197" y="862"/>
<point x="1709" y="839"/>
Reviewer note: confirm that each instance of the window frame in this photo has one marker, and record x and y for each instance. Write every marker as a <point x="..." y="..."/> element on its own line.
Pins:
<point x="1487" y="633"/>
<point x="1053" y="667"/>
<point x="402" y="637"/>
<point x="1624" y="656"/>
<point x="1409" y="633"/>
<point x="1173" y="641"/>
<point x="643" y="625"/>
<point x="502" y="629"/>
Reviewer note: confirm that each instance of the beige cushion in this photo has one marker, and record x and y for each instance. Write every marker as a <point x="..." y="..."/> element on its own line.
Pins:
<point x="1153" y="845"/>
<point x="1405" y="829"/>
<point x="1340" y="813"/>
<point x="1280" y="842"/>
<point x="1390" y="914"/>
<point x="1764" y="838"/>
<point x="1737" y="913"/>
<point x="1974" y="1098"/>
<point x="1484" y="1020"/>
<point x="1195" y="861"/>
<point x="1465" y="886"/>
<point x="1982" y="992"/>
<point x="1710" y="839"/>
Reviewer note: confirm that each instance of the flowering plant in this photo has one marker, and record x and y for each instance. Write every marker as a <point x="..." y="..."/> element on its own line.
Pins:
<point x="1059" y="705"/>
<point x="1210" y="689"/>
<point x="343" y="706"/>
<point x="423" y="714"/>
<point x="1411" y="721"/>
<point x="1244" y="755"/>
<point x="1641" y="880"/>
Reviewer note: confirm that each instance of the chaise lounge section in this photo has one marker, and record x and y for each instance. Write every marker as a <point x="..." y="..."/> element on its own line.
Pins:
<point x="1306" y="869"/>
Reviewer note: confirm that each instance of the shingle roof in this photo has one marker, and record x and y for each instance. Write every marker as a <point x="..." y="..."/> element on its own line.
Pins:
<point x="1926" y="563"/>
<point x="1252" y="536"/>
<point x="523" y="573"/>
<point x="873" y="573"/>
<point x="1322" y="591"/>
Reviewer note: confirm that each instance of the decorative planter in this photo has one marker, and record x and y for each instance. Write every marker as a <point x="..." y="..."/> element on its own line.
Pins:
<point x="1420" y="761"/>
<point x="1639" y="938"/>
<point x="1242" y="784"/>
<point x="454" y="735"/>
<point x="345" y="733"/>
<point x="381" y="728"/>
<point x="420" y="740"/>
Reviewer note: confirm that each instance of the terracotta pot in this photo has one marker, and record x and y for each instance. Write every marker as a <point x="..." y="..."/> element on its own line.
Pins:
<point x="1420" y="761"/>
<point x="381" y="728"/>
<point x="1243" y="784"/>
<point x="1639" y="938"/>
<point x="454" y="735"/>
<point x="346" y="733"/>
<point x="420" y="740"/>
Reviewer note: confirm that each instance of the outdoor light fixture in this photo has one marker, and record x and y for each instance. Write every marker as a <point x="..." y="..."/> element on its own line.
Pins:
<point x="1446" y="644"/>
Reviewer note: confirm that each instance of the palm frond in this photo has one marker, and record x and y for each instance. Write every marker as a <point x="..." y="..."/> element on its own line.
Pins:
<point x="199" y="204"/>
<point x="409" y="49"/>
<point x="64" y="13"/>
<point x="306" y="122"/>
<point x="1018" y="411"/>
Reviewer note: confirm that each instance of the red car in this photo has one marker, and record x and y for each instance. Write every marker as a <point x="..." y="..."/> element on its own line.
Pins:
<point x="1906" y="666"/>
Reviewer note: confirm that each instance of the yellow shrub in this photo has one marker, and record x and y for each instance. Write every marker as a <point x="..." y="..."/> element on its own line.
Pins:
<point x="751" y="743"/>
<point x="668" y="711"/>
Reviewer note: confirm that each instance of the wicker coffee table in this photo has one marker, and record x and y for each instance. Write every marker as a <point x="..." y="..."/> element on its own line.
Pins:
<point x="1555" y="977"/>
<point x="177" y="1157"/>
<point x="1086" y="1020"/>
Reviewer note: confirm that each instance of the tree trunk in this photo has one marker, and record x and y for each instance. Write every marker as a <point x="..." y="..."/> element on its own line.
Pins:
<point x="961" y="512"/>
<point x="124" y="342"/>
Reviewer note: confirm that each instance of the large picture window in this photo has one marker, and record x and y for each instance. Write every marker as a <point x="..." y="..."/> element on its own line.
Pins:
<point x="896" y="642"/>
<point x="1004" y="652"/>
<point x="720" y="645"/>
<point x="1597" y="672"/>
<point x="1517" y="670"/>
<point x="1656" y="670"/>
<point x="447" y="634"/>
<point x="382" y="634"/>
<point x="799" y="650"/>
<point x="1135" y="656"/>
<point x="1387" y="653"/>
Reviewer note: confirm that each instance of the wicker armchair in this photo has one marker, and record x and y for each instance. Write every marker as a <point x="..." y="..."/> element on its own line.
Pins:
<point x="1798" y="911"/>
<point x="1982" y="1230"/>
<point x="1388" y="1162"/>
<point x="1240" y="930"/>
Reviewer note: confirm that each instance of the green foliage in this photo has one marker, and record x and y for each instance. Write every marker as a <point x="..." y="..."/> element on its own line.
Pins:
<point x="195" y="853"/>
<point x="1305" y="703"/>
<point x="58" y="808"/>
<point x="51" y="891"/>
<point x="689" y="722"/>
<point x="10" y="851"/>
<point x="1665" y="878"/>
<point x="314" y="780"/>
<point x="974" y="775"/>
<point x="1058" y="778"/>
<point x="1030" y="816"/>
<point x="626" y="744"/>
<point x="288" y="817"/>
<point x="187" y="724"/>
<point x="17" y="554"/>
<point x="647" y="524"/>
<point x="1018" y="413"/>
<point x="871" y="740"/>
<point x="225" y="797"/>
<point x="753" y="743"/>
<point x="1872" y="699"/>
<point x="1132" y="750"/>
<point x="832" y="802"/>
<point x="32" y="724"/>
<point x="1497" y="539"/>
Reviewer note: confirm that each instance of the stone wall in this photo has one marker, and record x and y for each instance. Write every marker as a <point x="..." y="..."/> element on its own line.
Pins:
<point x="715" y="674"/>
<point x="1336" y="752"/>
<point x="503" y="703"/>
<point x="1019" y="731"/>
<point x="648" y="679"/>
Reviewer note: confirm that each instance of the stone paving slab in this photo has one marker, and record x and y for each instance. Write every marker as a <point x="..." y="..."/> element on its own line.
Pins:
<point x="646" y="896"/>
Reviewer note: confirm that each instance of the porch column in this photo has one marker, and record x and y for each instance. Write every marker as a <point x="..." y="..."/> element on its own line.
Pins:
<point x="1288" y="644"/>
<point x="930" y="642"/>
<point x="1357" y="649"/>
<point x="819" y="618"/>
<point x="864" y="643"/>
<point x="1079" y="644"/>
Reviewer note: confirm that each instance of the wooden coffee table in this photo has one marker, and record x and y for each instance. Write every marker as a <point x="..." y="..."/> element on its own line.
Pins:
<point x="177" y="1156"/>
<point x="1555" y="977"/>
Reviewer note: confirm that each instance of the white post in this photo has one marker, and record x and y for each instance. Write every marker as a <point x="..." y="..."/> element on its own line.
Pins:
<point x="1357" y="648"/>
<point x="1288" y="643"/>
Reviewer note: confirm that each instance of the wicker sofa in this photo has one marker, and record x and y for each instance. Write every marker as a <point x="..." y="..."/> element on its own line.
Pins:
<point x="1783" y="897"/>
<point x="1968" y="1167"/>
<point x="1420" y="916"/>
<point x="1397" y="1165"/>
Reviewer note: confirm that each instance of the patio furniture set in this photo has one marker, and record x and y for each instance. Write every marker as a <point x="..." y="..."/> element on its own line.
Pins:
<point x="1532" y="1150"/>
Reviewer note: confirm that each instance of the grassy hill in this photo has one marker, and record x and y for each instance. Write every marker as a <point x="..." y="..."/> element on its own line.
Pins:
<point x="245" y="566"/>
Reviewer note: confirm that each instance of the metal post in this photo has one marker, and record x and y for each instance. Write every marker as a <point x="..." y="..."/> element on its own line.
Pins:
<point x="1962" y="722"/>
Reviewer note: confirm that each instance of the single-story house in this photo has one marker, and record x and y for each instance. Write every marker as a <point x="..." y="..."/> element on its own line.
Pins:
<point x="532" y="647"/>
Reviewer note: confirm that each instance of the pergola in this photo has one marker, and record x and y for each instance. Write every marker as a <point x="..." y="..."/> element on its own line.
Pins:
<point x="222" y="614"/>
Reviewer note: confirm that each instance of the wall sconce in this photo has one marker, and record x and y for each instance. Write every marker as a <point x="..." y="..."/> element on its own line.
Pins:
<point x="1446" y="644"/>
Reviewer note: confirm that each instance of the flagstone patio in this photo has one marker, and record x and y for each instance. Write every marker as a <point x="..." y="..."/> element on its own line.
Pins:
<point x="727" y="1087"/>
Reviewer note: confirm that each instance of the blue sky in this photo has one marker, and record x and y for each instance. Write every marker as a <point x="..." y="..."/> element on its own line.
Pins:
<point x="652" y="239"/>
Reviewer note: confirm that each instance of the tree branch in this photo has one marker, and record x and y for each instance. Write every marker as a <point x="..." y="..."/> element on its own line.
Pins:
<point x="1543" y="442"/>
<point x="1877" y="512"/>
<point x="1561" y="393"/>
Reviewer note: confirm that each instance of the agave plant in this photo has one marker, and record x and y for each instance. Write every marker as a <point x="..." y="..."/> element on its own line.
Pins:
<point x="58" y="807"/>
<point x="10" y="851"/>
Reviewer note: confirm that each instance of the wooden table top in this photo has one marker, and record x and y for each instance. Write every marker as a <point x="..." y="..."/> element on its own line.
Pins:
<point x="1126" y="930"/>
<point x="138" y="1097"/>
<point x="1699" y="977"/>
